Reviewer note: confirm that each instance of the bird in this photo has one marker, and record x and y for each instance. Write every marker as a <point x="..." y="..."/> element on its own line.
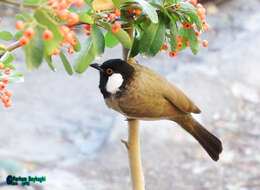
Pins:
<point x="138" y="92"/>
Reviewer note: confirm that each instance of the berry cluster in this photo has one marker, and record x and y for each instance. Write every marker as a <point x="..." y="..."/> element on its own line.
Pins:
<point x="201" y="11"/>
<point x="113" y="18"/>
<point x="60" y="7"/>
<point x="5" y="95"/>
<point x="29" y="33"/>
<point x="69" y="38"/>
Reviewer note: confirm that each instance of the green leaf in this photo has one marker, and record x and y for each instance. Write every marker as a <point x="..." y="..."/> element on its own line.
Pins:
<point x="7" y="58"/>
<point x="173" y="36"/>
<point x="184" y="33"/>
<point x="110" y="40"/>
<point x="20" y="17"/>
<point x="187" y="6"/>
<point x="48" y="59"/>
<point x="18" y="34"/>
<point x="44" y="19"/>
<point x="14" y="77"/>
<point x="158" y="39"/>
<point x="192" y="38"/>
<point x="85" y="17"/>
<point x="135" y="48"/>
<point x="117" y="3"/>
<point x="5" y="35"/>
<point x="66" y="63"/>
<point x="85" y="56"/>
<point x="148" y="37"/>
<point x="121" y="35"/>
<point x="77" y="46"/>
<point x="34" y="51"/>
<point x="97" y="40"/>
<point x="150" y="10"/>
<point x="89" y="2"/>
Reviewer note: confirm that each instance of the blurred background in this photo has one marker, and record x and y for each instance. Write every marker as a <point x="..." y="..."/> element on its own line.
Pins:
<point x="59" y="126"/>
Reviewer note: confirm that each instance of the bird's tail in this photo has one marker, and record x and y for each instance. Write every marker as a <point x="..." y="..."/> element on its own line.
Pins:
<point x="208" y="141"/>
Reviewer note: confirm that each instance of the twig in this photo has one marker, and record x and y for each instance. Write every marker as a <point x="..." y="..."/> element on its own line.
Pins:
<point x="20" y="4"/>
<point x="11" y="47"/>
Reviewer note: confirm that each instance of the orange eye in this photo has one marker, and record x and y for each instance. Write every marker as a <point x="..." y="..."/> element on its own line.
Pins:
<point x="109" y="71"/>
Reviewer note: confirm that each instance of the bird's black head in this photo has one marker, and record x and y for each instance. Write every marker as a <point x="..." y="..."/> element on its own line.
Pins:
<point x="114" y="75"/>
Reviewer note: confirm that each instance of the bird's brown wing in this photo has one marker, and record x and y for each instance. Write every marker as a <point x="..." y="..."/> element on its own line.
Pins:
<point x="179" y="99"/>
<point x="170" y="92"/>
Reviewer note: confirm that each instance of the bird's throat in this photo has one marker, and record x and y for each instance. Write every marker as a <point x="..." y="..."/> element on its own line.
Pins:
<point x="114" y="83"/>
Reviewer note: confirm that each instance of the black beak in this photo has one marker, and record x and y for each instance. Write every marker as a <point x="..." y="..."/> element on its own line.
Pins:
<point x="96" y="66"/>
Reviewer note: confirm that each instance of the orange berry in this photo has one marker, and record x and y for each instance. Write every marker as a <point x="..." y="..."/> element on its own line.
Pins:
<point x="64" y="30"/>
<point x="165" y="47"/>
<point x="5" y="80"/>
<point x="198" y="38"/>
<point x="179" y="38"/>
<point x="50" y="2"/>
<point x="70" y="36"/>
<point x="186" y="25"/>
<point x="112" y="16"/>
<point x="114" y="30"/>
<point x="23" y="41"/>
<point x="8" y="93"/>
<point x="202" y="17"/>
<point x="87" y="33"/>
<point x="56" y="52"/>
<point x="205" y="43"/>
<point x="29" y="32"/>
<point x="69" y="2"/>
<point x="206" y="27"/>
<point x="70" y="50"/>
<point x="5" y="99"/>
<point x="187" y="43"/>
<point x="173" y="54"/>
<point x="179" y="45"/>
<point x="62" y="14"/>
<point x="1" y="65"/>
<point x="131" y="11"/>
<point x="19" y="25"/>
<point x="87" y="27"/>
<point x="79" y="3"/>
<point x="7" y="104"/>
<point x="7" y="71"/>
<point x="117" y="12"/>
<point x="2" y="86"/>
<point x="193" y="2"/>
<point x="193" y="25"/>
<point x="138" y="11"/>
<point x="73" y="18"/>
<point x="62" y="5"/>
<point x="47" y="34"/>
<point x="197" y="33"/>
<point x="117" y="24"/>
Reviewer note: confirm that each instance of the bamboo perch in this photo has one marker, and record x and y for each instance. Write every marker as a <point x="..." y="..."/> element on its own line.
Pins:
<point x="134" y="155"/>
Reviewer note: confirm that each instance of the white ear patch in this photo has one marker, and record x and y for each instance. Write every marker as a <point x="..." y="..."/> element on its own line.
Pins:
<point x="114" y="82"/>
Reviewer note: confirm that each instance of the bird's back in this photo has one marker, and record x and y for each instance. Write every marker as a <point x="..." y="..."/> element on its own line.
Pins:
<point x="149" y="95"/>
